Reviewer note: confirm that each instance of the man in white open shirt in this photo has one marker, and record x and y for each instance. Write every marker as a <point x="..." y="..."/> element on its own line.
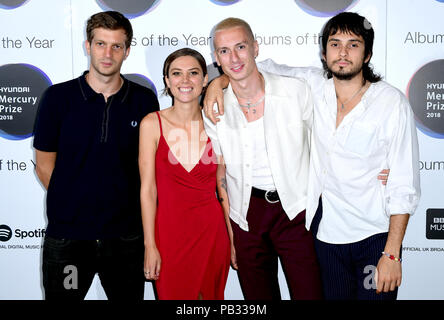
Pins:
<point x="265" y="129"/>
<point x="361" y="126"/>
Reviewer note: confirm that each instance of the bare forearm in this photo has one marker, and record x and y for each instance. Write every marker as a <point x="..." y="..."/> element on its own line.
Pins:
<point x="223" y="199"/>
<point x="44" y="175"/>
<point x="223" y="81"/>
<point x="222" y="193"/>
<point x="398" y="226"/>
<point x="45" y="163"/>
<point x="149" y="207"/>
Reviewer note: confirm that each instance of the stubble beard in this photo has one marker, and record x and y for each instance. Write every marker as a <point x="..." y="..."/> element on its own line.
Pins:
<point x="346" y="75"/>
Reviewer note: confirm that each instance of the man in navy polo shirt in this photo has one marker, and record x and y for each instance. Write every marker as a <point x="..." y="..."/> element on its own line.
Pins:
<point x="86" y="141"/>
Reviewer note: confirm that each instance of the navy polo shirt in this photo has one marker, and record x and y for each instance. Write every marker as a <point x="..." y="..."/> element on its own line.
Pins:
<point x="94" y="191"/>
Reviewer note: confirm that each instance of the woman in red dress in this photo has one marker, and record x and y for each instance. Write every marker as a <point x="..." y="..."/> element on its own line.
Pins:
<point x="187" y="246"/>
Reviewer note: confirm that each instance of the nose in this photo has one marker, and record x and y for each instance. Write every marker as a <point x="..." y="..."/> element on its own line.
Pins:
<point x="108" y="51"/>
<point x="186" y="77"/>
<point x="343" y="51"/>
<point x="234" y="56"/>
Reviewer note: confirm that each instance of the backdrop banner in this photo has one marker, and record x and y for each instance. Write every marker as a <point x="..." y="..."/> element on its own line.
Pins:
<point x="43" y="43"/>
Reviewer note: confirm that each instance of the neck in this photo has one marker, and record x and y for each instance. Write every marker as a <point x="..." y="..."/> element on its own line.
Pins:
<point x="249" y="88"/>
<point x="187" y="112"/>
<point x="345" y="88"/>
<point x="106" y="85"/>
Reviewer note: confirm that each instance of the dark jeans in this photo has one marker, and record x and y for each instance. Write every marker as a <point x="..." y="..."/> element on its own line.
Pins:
<point x="272" y="236"/>
<point x="69" y="267"/>
<point x="348" y="270"/>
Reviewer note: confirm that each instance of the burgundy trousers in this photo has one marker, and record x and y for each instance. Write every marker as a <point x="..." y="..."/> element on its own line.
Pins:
<point x="273" y="236"/>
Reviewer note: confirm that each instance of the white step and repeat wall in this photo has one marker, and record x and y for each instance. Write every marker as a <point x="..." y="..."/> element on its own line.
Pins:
<point x="42" y="43"/>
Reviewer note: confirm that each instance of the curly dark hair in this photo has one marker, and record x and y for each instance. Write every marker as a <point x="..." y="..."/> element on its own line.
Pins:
<point x="350" y="22"/>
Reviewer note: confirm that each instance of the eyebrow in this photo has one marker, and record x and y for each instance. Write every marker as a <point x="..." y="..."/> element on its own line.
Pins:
<point x="351" y="40"/>
<point x="110" y="42"/>
<point x="191" y="69"/>
<point x="242" y="42"/>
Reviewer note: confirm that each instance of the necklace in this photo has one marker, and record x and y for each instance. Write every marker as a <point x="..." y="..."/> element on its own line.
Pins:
<point x="249" y="105"/>
<point x="350" y="99"/>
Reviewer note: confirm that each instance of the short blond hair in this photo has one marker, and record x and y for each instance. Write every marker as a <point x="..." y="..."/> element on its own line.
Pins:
<point x="231" y="22"/>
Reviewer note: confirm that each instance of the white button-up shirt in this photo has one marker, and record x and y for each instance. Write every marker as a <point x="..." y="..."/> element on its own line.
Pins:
<point x="379" y="133"/>
<point x="288" y="116"/>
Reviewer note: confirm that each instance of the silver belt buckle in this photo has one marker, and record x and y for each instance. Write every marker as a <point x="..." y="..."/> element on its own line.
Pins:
<point x="266" y="196"/>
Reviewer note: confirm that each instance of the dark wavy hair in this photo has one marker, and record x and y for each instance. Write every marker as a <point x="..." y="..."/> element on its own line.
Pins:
<point x="111" y="20"/>
<point x="350" y="22"/>
<point x="181" y="53"/>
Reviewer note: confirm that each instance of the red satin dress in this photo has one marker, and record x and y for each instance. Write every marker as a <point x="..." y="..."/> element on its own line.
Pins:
<point x="191" y="233"/>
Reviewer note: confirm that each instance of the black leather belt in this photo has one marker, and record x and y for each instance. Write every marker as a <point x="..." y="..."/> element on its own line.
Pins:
<point x="271" y="196"/>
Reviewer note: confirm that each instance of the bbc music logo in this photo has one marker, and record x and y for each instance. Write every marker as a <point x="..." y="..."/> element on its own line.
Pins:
<point x="435" y="224"/>
<point x="129" y="8"/>
<point x="322" y="8"/>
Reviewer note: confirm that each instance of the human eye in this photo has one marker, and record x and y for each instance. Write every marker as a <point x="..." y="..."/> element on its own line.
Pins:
<point x="117" y="47"/>
<point x="241" y="46"/>
<point x="223" y="51"/>
<point x="175" y="73"/>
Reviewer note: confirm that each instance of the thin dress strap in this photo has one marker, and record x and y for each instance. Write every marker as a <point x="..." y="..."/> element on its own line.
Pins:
<point x="160" y="123"/>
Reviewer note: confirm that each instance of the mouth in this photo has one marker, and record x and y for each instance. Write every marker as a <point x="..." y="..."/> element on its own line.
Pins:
<point x="185" y="90"/>
<point x="237" y="68"/>
<point x="343" y="63"/>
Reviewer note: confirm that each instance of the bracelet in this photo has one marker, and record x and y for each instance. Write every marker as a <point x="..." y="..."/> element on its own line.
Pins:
<point x="391" y="257"/>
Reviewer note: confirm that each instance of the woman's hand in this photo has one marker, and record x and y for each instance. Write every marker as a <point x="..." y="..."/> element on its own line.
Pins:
<point x="152" y="263"/>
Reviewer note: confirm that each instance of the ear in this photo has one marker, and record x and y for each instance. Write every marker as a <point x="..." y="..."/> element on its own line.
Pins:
<point x="205" y="80"/>
<point x="167" y="81"/>
<point x="88" y="47"/>
<point x="368" y="57"/>
<point x="127" y="52"/>
<point x="217" y="58"/>
<point x="256" y="48"/>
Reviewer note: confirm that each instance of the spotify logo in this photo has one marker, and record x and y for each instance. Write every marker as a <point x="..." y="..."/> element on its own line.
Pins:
<point x="5" y="233"/>
<point x="21" y="86"/>
<point x="322" y="8"/>
<point x="129" y="8"/>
